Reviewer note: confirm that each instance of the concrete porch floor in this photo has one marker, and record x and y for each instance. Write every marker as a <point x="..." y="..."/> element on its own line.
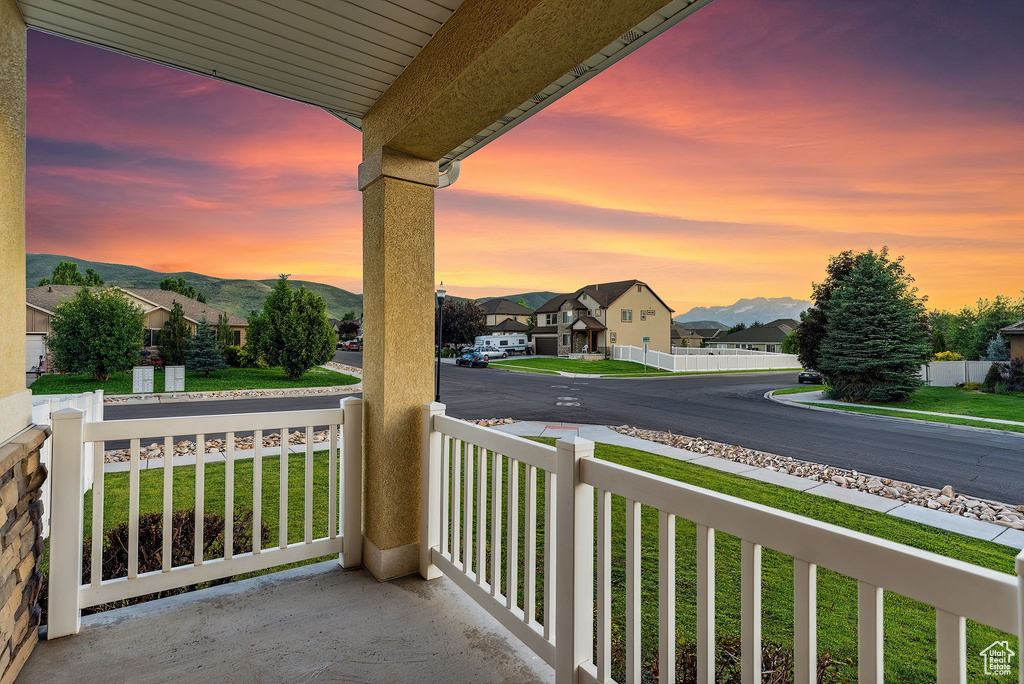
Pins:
<point x="308" y="624"/>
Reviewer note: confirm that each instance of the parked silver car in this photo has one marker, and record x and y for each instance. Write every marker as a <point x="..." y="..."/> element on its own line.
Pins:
<point x="491" y="352"/>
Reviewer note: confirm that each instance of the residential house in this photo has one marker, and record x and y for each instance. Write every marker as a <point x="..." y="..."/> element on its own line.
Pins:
<point x="1014" y="335"/>
<point x="42" y="301"/>
<point x="682" y="337"/>
<point x="506" y="317"/>
<point x="767" y="337"/>
<point x="602" y="315"/>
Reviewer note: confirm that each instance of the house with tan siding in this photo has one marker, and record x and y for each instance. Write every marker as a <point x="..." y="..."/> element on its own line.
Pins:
<point x="505" y="317"/>
<point x="1015" y="336"/>
<point x="42" y="301"/>
<point x="602" y="315"/>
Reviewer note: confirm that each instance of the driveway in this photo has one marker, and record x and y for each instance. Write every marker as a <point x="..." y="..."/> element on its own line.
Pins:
<point x="727" y="408"/>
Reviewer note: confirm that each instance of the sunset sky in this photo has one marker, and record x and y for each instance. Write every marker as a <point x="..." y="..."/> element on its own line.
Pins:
<point x="728" y="158"/>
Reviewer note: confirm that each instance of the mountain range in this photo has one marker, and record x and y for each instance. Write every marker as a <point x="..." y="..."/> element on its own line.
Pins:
<point x="747" y="311"/>
<point x="234" y="295"/>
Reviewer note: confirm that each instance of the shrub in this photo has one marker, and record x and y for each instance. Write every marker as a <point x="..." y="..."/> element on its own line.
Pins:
<point x="96" y="332"/>
<point x="183" y="528"/>
<point x="232" y="356"/>
<point x="993" y="376"/>
<point x="972" y="386"/>
<point x="948" y="356"/>
<point x="776" y="663"/>
<point x="249" y="357"/>
<point x="1000" y="388"/>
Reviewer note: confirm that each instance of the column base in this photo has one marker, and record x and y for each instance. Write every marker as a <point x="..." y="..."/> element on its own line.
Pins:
<point x="393" y="563"/>
<point x="15" y="413"/>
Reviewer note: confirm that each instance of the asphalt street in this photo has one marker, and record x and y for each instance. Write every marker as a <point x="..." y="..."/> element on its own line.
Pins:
<point x="727" y="408"/>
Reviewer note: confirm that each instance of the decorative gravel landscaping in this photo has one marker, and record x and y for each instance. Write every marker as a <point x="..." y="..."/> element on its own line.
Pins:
<point x="228" y="379"/>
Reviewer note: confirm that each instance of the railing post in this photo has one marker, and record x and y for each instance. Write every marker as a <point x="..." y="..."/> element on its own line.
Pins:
<point x="97" y="397"/>
<point x="66" y="524"/>
<point x="352" y="469"/>
<point x="574" y="563"/>
<point x="1020" y="614"/>
<point x="430" y="491"/>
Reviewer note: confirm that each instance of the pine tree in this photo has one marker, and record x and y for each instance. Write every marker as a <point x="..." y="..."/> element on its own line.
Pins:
<point x="997" y="350"/>
<point x="292" y="330"/>
<point x="202" y="354"/>
<point x="174" y="337"/>
<point x="876" y="336"/>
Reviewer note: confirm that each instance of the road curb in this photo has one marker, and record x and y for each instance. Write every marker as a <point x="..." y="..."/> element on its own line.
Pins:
<point x="770" y="395"/>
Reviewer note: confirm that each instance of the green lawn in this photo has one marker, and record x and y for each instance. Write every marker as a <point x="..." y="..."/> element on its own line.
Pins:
<point x="909" y="626"/>
<point x="799" y="389"/>
<point x="964" y="402"/>
<point x="874" y="411"/>
<point x="228" y="379"/>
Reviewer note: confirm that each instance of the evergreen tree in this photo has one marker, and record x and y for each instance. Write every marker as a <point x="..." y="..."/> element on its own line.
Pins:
<point x="292" y="330"/>
<point x="876" y="336"/>
<point x="174" y="337"/>
<point x="96" y="332"/>
<point x="997" y="349"/>
<point x="225" y="335"/>
<point x="811" y="330"/>
<point x="202" y="354"/>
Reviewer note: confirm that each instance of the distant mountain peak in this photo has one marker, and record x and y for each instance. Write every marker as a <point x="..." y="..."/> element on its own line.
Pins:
<point x="747" y="310"/>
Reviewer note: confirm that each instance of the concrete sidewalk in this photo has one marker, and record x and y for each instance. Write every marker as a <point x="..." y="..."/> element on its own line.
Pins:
<point x="818" y="397"/>
<point x="940" y="519"/>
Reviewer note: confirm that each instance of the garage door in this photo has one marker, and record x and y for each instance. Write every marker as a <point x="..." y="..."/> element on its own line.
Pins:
<point x="34" y="348"/>
<point x="547" y="346"/>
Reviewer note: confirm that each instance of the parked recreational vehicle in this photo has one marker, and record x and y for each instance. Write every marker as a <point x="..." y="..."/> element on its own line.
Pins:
<point x="506" y="343"/>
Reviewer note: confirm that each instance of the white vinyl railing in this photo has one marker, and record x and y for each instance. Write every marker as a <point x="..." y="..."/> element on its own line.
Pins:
<point x="91" y="404"/>
<point x="706" y="362"/>
<point x="957" y="590"/>
<point x="71" y="433"/>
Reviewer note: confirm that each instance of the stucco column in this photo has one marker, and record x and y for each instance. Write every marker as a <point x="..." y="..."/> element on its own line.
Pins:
<point x="398" y="331"/>
<point x="15" y="400"/>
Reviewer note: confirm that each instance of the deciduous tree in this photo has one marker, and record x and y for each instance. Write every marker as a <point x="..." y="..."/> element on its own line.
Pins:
<point x="96" y="332"/>
<point x="292" y="330"/>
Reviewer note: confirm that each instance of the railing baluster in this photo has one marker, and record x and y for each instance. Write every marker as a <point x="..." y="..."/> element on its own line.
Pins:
<point x="168" y="513"/>
<point x="666" y="597"/>
<point x="750" y="600"/>
<point x="467" y="511"/>
<point x="496" y="463"/>
<point x="549" y="555"/>
<point x="805" y="622"/>
<point x="604" y="585"/>
<point x="332" y="482"/>
<point x="282" y="515"/>
<point x="456" y="500"/>
<point x="197" y="549"/>
<point x="229" y="495"/>
<point x="446" y="478"/>
<point x="632" y="592"/>
<point x="257" y="491"/>
<point x="705" y="604"/>
<point x="530" y="552"/>
<point x="96" y="572"/>
<point x="869" y="634"/>
<point x="512" y="537"/>
<point x="308" y="513"/>
<point x="133" y="511"/>
<point x="481" y="514"/>
<point x="950" y="648"/>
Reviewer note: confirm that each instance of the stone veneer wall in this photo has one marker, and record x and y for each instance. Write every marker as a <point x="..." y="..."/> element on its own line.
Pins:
<point x="21" y="546"/>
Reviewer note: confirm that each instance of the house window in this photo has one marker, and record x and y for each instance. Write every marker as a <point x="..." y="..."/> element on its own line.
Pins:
<point x="567" y="316"/>
<point x="565" y="339"/>
<point x="151" y="338"/>
<point x="627" y="315"/>
<point x="639" y="288"/>
<point x="643" y="315"/>
<point x="236" y="338"/>
<point x="550" y="319"/>
<point x="590" y="312"/>
<point x="613" y="338"/>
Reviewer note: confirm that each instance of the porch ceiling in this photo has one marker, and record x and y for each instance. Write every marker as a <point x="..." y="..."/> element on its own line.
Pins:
<point x="339" y="55"/>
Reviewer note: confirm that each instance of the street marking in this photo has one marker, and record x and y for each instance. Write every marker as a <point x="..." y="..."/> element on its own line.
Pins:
<point x="568" y="398"/>
<point x="567" y="403"/>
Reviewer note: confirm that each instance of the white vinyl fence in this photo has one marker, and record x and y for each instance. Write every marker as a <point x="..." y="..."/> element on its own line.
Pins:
<point x="71" y="433"/>
<point x="91" y="403"/>
<point x="952" y="373"/>
<point x="462" y="462"/>
<point x="706" y="362"/>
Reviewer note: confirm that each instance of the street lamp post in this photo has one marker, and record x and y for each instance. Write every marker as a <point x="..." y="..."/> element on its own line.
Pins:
<point x="440" y="322"/>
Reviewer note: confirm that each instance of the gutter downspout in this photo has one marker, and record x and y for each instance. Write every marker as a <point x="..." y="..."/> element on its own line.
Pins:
<point x="448" y="175"/>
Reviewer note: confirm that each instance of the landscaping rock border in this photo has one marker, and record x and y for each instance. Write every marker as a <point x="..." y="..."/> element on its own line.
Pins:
<point x="945" y="499"/>
<point x="188" y="447"/>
